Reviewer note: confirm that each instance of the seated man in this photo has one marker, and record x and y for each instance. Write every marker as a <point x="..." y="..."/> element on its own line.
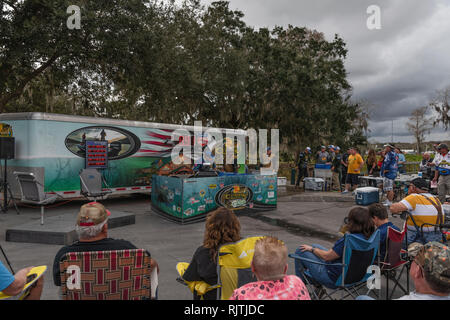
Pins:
<point x="425" y="165"/>
<point x="92" y="230"/>
<point x="379" y="214"/>
<point x="430" y="272"/>
<point x="12" y="285"/>
<point x="423" y="207"/>
<point x="269" y="265"/>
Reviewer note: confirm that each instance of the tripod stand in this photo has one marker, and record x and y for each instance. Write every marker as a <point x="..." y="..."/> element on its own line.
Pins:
<point x="4" y="186"/>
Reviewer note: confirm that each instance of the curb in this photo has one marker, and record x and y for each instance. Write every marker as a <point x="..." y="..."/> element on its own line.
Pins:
<point x="315" y="198"/>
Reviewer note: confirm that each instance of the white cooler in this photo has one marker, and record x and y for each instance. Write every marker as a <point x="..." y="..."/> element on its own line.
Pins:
<point x="315" y="184"/>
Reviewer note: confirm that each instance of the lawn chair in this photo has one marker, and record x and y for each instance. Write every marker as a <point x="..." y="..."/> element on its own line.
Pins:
<point x="107" y="275"/>
<point x="234" y="266"/>
<point x="358" y="255"/>
<point x="233" y="269"/>
<point x="91" y="183"/>
<point x="442" y="227"/>
<point x="198" y="288"/>
<point x="395" y="258"/>
<point x="32" y="191"/>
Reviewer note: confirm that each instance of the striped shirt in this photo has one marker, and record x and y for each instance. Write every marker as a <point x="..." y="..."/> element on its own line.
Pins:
<point x="422" y="210"/>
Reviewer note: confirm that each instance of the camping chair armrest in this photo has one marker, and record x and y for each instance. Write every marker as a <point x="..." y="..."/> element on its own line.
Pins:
<point x="82" y="181"/>
<point x="58" y="195"/>
<point x="181" y="280"/>
<point x="295" y="256"/>
<point x="106" y="184"/>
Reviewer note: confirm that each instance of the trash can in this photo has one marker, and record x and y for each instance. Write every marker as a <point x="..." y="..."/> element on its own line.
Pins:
<point x="293" y="172"/>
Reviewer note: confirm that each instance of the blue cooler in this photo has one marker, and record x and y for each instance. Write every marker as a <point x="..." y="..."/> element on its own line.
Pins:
<point x="322" y="166"/>
<point x="367" y="195"/>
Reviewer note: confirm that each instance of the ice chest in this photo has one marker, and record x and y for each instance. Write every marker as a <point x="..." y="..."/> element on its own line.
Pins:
<point x="316" y="184"/>
<point x="367" y="195"/>
<point x="322" y="166"/>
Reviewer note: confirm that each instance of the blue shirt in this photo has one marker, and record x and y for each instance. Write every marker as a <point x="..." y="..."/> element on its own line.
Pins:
<point x="390" y="163"/>
<point x="383" y="236"/>
<point x="335" y="271"/>
<point x="401" y="157"/>
<point x="6" y="277"/>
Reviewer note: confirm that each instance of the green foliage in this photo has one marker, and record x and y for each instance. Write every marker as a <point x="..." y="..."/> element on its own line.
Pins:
<point x="413" y="157"/>
<point x="162" y="62"/>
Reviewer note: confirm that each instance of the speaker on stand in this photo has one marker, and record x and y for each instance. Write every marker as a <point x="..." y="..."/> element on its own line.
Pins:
<point x="7" y="151"/>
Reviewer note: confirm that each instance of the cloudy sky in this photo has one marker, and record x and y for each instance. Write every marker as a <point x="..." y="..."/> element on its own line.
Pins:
<point x="398" y="68"/>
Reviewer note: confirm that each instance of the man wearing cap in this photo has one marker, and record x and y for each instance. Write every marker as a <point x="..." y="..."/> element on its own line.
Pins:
<point x="423" y="207"/>
<point x="430" y="272"/>
<point x="332" y="150"/>
<point x="336" y="170"/>
<point x="388" y="171"/>
<point x="442" y="173"/>
<point x="302" y="165"/>
<point x="92" y="230"/>
<point x="322" y="156"/>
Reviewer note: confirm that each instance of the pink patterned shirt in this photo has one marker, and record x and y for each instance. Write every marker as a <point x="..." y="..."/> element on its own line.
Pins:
<point x="289" y="288"/>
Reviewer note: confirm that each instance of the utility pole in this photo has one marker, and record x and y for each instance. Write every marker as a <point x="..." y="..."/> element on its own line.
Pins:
<point x="392" y="135"/>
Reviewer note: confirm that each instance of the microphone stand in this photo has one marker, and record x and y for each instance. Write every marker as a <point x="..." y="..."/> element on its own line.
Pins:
<point x="7" y="261"/>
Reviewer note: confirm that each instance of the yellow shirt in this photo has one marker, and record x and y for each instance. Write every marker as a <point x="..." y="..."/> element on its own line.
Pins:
<point x="422" y="210"/>
<point x="354" y="164"/>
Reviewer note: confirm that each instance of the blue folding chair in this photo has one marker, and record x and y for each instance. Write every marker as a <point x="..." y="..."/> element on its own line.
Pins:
<point x="358" y="255"/>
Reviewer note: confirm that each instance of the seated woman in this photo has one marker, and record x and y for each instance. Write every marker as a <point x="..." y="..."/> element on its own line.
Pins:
<point x="222" y="226"/>
<point x="360" y="224"/>
<point x="269" y="265"/>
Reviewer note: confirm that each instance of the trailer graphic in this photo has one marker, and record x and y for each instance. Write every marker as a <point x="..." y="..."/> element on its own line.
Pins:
<point x="52" y="147"/>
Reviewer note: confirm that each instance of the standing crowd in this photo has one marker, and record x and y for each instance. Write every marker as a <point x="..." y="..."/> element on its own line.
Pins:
<point x="388" y="163"/>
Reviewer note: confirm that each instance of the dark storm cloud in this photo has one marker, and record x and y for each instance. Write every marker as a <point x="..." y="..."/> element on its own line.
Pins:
<point x="398" y="68"/>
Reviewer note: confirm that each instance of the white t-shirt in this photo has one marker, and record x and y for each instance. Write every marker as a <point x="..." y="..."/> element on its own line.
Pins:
<point x="420" y="296"/>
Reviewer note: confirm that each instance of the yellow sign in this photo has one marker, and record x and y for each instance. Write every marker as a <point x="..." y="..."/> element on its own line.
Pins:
<point x="5" y="130"/>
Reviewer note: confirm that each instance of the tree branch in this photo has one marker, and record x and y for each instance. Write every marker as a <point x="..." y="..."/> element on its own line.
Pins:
<point x="16" y="93"/>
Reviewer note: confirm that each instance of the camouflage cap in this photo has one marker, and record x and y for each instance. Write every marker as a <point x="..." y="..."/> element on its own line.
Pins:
<point x="434" y="257"/>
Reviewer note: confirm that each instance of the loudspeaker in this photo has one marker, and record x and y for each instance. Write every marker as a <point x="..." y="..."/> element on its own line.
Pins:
<point x="7" y="147"/>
